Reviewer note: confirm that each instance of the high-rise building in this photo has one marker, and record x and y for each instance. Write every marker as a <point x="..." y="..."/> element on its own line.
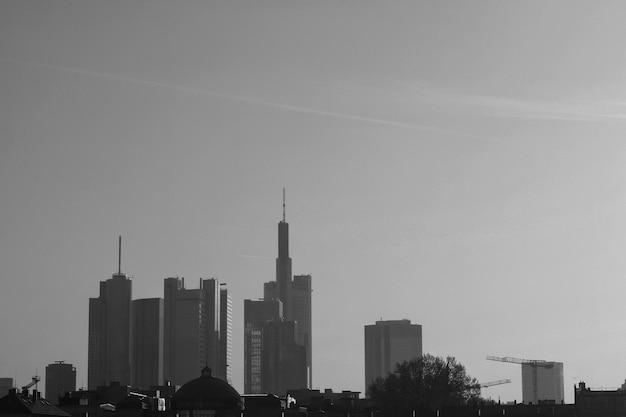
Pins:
<point x="387" y="343"/>
<point x="226" y="335"/>
<point x="60" y="378"/>
<point x="109" y="332"/>
<point x="5" y="385"/>
<point x="171" y="286"/>
<point x="146" y="343"/>
<point x="301" y="314"/>
<point x="542" y="381"/>
<point x="256" y="314"/>
<point x="191" y="329"/>
<point x="283" y="365"/>
<point x="295" y="295"/>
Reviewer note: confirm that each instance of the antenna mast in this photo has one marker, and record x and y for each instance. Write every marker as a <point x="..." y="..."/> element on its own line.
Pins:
<point x="119" y="259"/>
<point x="284" y="205"/>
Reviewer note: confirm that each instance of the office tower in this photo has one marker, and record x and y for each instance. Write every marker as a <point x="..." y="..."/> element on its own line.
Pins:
<point x="283" y="365"/>
<point x="5" y="385"/>
<point x="256" y="314"/>
<point x="542" y="381"/>
<point x="387" y="343"/>
<point x="295" y="294"/>
<point x="146" y="342"/>
<point x="109" y="332"/>
<point x="191" y="329"/>
<point x="226" y="334"/>
<point x="301" y="314"/>
<point x="171" y="286"/>
<point x="60" y="378"/>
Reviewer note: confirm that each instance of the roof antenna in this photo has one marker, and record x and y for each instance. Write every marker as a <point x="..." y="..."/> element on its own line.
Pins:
<point x="119" y="259"/>
<point x="283" y="204"/>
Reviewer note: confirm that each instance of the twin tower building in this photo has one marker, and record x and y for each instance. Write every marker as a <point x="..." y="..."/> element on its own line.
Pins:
<point x="151" y="342"/>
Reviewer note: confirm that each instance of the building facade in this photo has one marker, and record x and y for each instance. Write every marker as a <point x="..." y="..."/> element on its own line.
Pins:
<point x="226" y="335"/>
<point x="191" y="330"/>
<point x="387" y="343"/>
<point x="542" y="381"/>
<point x="60" y="378"/>
<point x="5" y="385"/>
<point x="146" y="331"/>
<point x="283" y="363"/>
<point x="109" y="333"/>
<point x="256" y="314"/>
<point x="599" y="403"/>
<point x="301" y="313"/>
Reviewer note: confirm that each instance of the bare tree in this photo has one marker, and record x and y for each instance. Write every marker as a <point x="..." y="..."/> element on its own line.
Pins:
<point x="424" y="383"/>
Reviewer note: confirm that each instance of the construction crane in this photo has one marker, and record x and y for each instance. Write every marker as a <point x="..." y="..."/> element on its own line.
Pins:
<point x="492" y="383"/>
<point x="536" y="362"/>
<point x="34" y="381"/>
<point x="530" y="371"/>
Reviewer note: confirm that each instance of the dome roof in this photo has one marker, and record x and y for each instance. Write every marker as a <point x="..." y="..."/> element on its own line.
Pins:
<point x="206" y="393"/>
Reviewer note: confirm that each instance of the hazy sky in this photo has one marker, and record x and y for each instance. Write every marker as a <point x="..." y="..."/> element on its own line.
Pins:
<point x="460" y="164"/>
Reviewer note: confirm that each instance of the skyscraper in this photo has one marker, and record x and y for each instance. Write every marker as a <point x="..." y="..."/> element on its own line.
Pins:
<point x="171" y="286"/>
<point x="387" y="343"/>
<point x="278" y="347"/>
<point x="60" y="378"/>
<point x="146" y="331"/>
<point x="109" y="331"/>
<point x="192" y="329"/>
<point x="226" y="335"/>
<point x="283" y="365"/>
<point x="256" y="314"/>
<point x="301" y="314"/>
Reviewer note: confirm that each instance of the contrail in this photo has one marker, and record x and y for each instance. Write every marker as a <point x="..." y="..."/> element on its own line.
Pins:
<point x="255" y="257"/>
<point x="249" y="100"/>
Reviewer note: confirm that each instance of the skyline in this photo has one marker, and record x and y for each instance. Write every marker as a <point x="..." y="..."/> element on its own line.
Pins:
<point x="459" y="165"/>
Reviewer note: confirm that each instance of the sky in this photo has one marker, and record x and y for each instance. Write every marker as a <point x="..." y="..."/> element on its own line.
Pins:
<point x="458" y="164"/>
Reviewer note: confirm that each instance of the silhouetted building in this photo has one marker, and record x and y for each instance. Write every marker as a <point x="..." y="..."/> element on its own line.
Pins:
<point x="5" y="385"/>
<point x="21" y="403"/>
<point x="256" y="314"/>
<point x="542" y="381"/>
<point x="81" y="403"/>
<point x="301" y="313"/>
<point x="192" y="329"/>
<point x="294" y="293"/>
<point x="109" y="332"/>
<point x="328" y="401"/>
<point x="60" y="378"/>
<point x="112" y="393"/>
<point x="283" y="364"/>
<point x="599" y="403"/>
<point x="226" y="335"/>
<point x="387" y="343"/>
<point x="262" y="405"/>
<point x="146" y="342"/>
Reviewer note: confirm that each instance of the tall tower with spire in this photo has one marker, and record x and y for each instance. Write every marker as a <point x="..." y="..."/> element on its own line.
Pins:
<point x="293" y="292"/>
<point x="283" y="265"/>
<point x="109" y="330"/>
